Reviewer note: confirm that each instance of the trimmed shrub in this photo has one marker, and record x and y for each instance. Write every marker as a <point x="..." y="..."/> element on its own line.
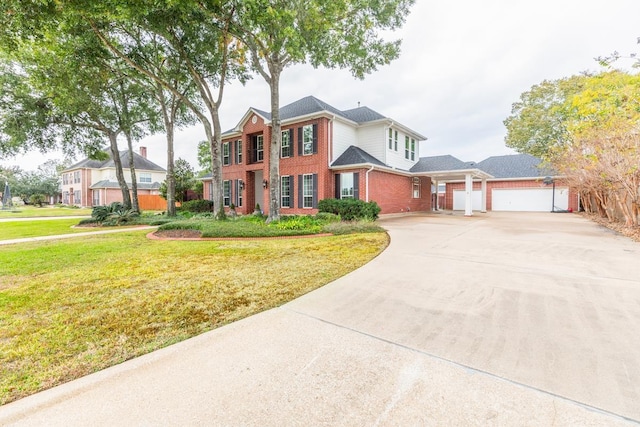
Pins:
<point x="327" y="217"/>
<point x="197" y="206"/>
<point x="350" y="209"/>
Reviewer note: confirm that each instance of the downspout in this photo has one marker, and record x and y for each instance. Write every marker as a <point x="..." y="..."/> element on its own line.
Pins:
<point x="367" y="184"/>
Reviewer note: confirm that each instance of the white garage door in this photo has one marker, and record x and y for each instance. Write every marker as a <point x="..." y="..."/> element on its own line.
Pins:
<point x="459" y="197"/>
<point x="528" y="199"/>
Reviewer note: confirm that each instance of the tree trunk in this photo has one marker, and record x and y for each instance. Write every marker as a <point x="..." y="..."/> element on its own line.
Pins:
<point x="115" y="154"/>
<point x="215" y="142"/>
<point x="274" y="147"/>
<point x="169" y="120"/>
<point x="134" y="179"/>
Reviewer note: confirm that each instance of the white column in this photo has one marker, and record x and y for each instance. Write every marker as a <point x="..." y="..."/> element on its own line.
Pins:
<point x="468" y="202"/>
<point x="437" y="194"/>
<point x="483" y="208"/>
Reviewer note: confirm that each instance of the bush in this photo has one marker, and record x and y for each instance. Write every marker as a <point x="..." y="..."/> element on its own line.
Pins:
<point x="113" y="214"/>
<point x="197" y="206"/>
<point x="37" y="199"/>
<point x="327" y="217"/>
<point x="308" y="223"/>
<point x="350" y="209"/>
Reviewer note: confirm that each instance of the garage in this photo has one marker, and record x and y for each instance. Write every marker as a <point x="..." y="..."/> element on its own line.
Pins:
<point x="528" y="199"/>
<point x="459" y="197"/>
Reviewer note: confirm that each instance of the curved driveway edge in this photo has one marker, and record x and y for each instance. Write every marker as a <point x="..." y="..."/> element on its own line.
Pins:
<point x="521" y="319"/>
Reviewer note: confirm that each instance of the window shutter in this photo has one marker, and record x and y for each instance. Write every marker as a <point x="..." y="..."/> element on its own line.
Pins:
<point x="231" y="151"/>
<point x="231" y="199"/>
<point x="356" y="186"/>
<point x="338" y="188"/>
<point x="254" y="151"/>
<point x="315" y="191"/>
<point x="292" y="149"/>
<point x="300" y="141"/>
<point x="236" y="191"/>
<point x="315" y="139"/>
<point x="292" y="192"/>
<point x="300" y="191"/>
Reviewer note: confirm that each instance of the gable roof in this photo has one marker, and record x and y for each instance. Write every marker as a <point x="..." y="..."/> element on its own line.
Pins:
<point x="310" y="105"/>
<point x="514" y="166"/>
<point x="356" y="156"/>
<point x="139" y="162"/>
<point x="114" y="184"/>
<point x="439" y="163"/>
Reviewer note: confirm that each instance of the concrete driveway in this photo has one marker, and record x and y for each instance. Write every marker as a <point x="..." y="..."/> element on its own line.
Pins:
<point x="498" y="319"/>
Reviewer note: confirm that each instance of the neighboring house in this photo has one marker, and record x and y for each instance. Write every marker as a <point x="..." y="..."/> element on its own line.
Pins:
<point x="325" y="153"/>
<point x="517" y="184"/>
<point x="93" y="182"/>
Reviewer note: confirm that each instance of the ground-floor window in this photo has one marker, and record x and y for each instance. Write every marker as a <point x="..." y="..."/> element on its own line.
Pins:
<point x="65" y="197"/>
<point x="347" y="185"/>
<point x="96" y="198"/>
<point x="416" y="188"/>
<point x="238" y="194"/>
<point x="226" y="193"/>
<point x="285" y="191"/>
<point x="307" y="190"/>
<point x="77" y="200"/>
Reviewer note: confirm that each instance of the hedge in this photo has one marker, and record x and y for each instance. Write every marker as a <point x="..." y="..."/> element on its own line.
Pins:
<point x="350" y="209"/>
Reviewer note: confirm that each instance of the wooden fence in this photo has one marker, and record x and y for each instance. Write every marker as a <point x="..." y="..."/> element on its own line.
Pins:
<point x="152" y="203"/>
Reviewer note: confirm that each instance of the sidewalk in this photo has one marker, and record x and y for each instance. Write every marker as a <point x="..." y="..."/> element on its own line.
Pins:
<point x="68" y="236"/>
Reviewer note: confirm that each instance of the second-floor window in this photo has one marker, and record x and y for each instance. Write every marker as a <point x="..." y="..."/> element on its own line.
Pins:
<point x="76" y="177"/>
<point x="226" y="155"/>
<point x="285" y="150"/>
<point x="238" y="152"/>
<point x="257" y="152"/>
<point x="390" y="139"/>
<point x="307" y="140"/>
<point x="145" y="177"/>
<point x="395" y="140"/>
<point x="409" y="148"/>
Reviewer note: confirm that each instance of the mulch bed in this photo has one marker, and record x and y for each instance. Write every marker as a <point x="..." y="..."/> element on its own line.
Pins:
<point x="630" y="232"/>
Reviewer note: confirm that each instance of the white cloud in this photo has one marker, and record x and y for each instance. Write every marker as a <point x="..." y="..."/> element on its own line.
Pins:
<point x="463" y="64"/>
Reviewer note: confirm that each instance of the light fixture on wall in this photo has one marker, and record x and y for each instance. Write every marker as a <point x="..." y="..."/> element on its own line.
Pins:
<point x="265" y="183"/>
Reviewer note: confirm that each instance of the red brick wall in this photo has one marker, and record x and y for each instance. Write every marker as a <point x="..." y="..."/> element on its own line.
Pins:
<point x="394" y="193"/>
<point x="532" y="183"/>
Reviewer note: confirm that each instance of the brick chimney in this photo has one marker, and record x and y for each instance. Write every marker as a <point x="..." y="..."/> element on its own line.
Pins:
<point x="143" y="152"/>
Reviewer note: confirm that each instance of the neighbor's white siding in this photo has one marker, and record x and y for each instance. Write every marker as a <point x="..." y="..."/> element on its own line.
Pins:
<point x="343" y="136"/>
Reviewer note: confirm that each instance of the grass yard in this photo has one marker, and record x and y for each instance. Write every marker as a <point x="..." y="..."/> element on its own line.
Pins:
<point x="71" y="307"/>
<point x="21" y="229"/>
<point x="31" y="211"/>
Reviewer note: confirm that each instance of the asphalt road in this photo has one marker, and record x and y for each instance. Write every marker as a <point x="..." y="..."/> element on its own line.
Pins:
<point x="498" y="319"/>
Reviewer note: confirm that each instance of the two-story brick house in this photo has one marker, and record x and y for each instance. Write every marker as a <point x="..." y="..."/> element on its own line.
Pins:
<point x="93" y="182"/>
<point x="325" y="153"/>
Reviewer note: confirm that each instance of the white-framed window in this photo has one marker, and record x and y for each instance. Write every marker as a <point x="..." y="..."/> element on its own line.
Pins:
<point x="65" y="179"/>
<point x="65" y="197"/>
<point x="226" y="192"/>
<point x="409" y="148"/>
<point x="238" y="193"/>
<point x="238" y="153"/>
<point x="226" y="155"/>
<point x="307" y="191"/>
<point x="210" y="186"/>
<point x="96" y="198"/>
<point x="285" y="148"/>
<point x="145" y="177"/>
<point x="346" y="186"/>
<point x="76" y="177"/>
<point x="416" y="188"/>
<point x="77" y="200"/>
<point x="390" y="139"/>
<point x="259" y="148"/>
<point x="395" y="140"/>
<point x="307" y="140"/>
<point x="285" y="191"/>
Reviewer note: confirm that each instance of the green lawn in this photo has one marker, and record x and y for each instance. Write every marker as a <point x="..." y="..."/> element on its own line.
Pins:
<point x="72" y="307"/>
<point x="20" y="229"/>
<point x="31" y="211"/>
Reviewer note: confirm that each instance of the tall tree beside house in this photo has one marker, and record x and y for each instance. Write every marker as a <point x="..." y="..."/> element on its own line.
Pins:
<point x="586" y="128"/>
<point x="328" y="33"/>
<point x="207" y="55"/>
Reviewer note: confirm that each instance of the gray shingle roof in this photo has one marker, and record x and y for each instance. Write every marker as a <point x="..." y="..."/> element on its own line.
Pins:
<point x="514" y="166"/>
<point x="311" y="104"/>
<point x="139" y="162"/>
<point x="439" y="163"/>
<point x="112" y="184"/>
<point x="356" y="156"/>
<point x="362" y="115"/>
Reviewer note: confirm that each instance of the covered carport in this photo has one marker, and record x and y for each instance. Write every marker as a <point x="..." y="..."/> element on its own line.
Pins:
<point x="443" y="169"/>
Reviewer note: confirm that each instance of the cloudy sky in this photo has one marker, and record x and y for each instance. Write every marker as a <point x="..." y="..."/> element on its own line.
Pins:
<point x="463" y="63"/>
